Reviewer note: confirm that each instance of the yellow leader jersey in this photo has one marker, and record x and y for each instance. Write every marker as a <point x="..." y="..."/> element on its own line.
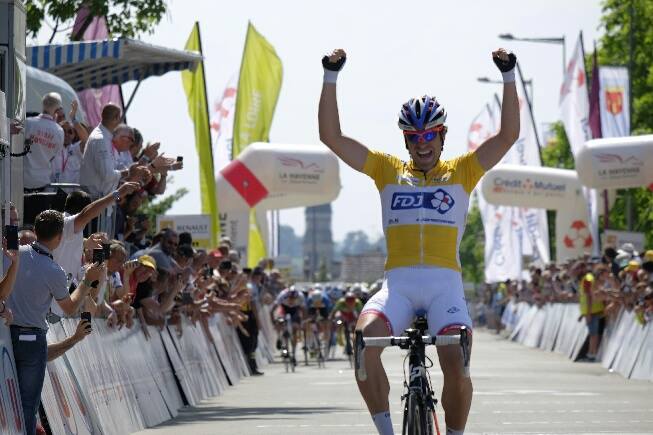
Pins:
<point x="423" y="213"/>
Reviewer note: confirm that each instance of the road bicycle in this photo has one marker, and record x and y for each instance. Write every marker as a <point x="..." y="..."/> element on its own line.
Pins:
<point x="313" y="343"/>
<point x="345" y="329"/>
<point x="418" y="400"/>
<point x="288" y="345"/>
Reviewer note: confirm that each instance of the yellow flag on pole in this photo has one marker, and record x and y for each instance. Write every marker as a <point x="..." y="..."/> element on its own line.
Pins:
<point x="198" y="109"/>
<point x="255" y="245"/>
<point x="258" y="91"/>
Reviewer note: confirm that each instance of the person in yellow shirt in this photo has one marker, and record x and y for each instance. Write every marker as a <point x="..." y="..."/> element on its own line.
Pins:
<point x="592" y="308"/>
<point x="424" y="206"/>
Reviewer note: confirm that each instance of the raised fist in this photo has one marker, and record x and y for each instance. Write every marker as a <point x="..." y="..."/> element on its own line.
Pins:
<point x="335" y="60"/>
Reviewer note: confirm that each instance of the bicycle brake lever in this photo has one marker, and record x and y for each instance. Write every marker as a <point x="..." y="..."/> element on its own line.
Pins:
<point x="359" y="357"/>
<point x="464" y="344"/>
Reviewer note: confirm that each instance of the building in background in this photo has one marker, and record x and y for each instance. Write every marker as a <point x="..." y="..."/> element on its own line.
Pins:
<point x="318" y="244"/>
<point x="367" y="267"/>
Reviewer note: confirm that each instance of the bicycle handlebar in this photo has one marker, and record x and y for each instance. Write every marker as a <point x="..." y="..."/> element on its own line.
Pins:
<point x="438" y="340"/>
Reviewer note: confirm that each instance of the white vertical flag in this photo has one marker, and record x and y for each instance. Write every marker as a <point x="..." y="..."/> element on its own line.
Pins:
<point x="500" y="223"/>
<point x="222" y="124"/>
<point x="526" y="152"/>
<point x="614" y="101"/>
<point x="574" y="101"/>
<point x="575" y="111"/>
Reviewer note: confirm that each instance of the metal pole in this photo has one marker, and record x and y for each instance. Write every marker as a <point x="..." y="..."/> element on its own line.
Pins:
<point x="564" y="56"/>
<point x="631" y="49"/>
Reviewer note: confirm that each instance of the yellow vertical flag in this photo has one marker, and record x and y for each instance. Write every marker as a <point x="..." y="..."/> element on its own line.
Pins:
<point x="255" y="245"/>
<point x="258" y="91"/>
<point x="198" y="109"/>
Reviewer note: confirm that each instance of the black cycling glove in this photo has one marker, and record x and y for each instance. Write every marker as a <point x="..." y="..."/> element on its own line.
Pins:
<point x="331" y="69"/>
<point x="507" y="67"/>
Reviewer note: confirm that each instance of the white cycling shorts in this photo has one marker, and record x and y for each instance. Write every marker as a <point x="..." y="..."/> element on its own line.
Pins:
<point x="434" y="292"/>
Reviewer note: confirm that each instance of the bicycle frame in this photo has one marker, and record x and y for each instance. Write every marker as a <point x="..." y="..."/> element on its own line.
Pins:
<point x="419" y="398"/>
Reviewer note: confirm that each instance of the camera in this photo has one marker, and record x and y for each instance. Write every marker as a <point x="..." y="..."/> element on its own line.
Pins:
<point x="11" y="232"/>
<point x="98" y="255"/>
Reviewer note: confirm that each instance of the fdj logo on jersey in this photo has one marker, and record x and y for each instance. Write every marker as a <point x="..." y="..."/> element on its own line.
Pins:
<point x="439" y="201"/>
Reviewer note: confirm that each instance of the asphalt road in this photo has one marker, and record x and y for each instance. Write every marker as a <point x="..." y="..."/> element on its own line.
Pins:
<point x="517" y="390"/>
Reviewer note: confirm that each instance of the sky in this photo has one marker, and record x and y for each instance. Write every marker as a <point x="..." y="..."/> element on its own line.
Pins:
<point x="395" y="50"/>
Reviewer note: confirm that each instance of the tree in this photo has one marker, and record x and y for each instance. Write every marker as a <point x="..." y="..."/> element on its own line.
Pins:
<point x="127" y="18"/>
<point x="614" y="49"/>
<point x="472" y="255"/>
<point x="160" y="207"/>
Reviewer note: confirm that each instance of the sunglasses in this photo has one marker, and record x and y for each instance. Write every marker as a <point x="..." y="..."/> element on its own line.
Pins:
<point x="416" y="137"/>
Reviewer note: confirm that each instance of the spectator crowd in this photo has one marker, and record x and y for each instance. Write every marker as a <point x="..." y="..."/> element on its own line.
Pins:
<point x="602" y="286"/>
<point x="98" y="257"/>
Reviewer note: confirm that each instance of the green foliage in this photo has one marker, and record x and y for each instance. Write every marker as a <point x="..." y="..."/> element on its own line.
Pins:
<point x="160" y="206"/>
<point x="614" y="49"/>
<point x="472" y="255"/>
<point x="128" y="18"/>
<point x="558" y="154"/>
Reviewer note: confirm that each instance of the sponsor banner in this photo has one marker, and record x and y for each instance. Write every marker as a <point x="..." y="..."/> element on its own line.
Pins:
<point x="199" y="226"/>
<point x="222" y="125"/>
<point x="575" y="113"/>
<point x="573" y="235"/>
<point x="616" y="239"/>
<point x="614" y="101"/>
<point x="11" y="410"/>
<point x="235" y="225"/>
<point x="620" y="167"/>
<point x="574" y="100"/>
<point x="484" y="125"/>
<point x="503" y="234"/>
<point x="621" y="162"/>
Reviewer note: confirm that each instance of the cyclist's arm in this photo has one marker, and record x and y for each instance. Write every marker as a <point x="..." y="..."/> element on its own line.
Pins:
<point x="490" y="152"/>
<point x="350" y="151"/>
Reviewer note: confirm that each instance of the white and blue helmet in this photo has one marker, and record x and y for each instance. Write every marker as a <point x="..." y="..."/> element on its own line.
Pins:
<point x="421" y="113"/>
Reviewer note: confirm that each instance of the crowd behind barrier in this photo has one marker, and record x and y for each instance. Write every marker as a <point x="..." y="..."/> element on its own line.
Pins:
<point x="122" y="381"/>
<point x="172" y="323"/>
<point x="589" y="309"/>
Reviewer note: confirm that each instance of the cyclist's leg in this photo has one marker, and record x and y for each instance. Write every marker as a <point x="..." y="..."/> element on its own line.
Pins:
<point x="446" y="313"/>
<point x="387" y="312"/>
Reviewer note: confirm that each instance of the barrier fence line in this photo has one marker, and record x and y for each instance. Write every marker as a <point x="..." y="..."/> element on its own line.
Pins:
<point x="122" y="381"/>
<point x="626" y="346"/>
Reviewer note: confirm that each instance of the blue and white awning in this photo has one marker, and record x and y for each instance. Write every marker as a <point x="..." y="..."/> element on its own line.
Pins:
<point x="93" y="64"/>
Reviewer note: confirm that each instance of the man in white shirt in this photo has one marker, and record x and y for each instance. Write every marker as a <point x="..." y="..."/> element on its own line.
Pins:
<point x="67" y="162"/>
<point x="47" y="139"/>
<point x="99" y="173"/>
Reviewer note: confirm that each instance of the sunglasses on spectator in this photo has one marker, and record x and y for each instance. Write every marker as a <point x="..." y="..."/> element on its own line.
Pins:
<point x="416" y="137"/>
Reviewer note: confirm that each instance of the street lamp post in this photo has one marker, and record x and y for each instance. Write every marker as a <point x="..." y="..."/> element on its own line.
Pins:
<point x="559" y="41"/>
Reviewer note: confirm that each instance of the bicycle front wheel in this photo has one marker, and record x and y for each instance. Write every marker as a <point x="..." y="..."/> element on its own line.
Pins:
<point x="417" y="417"/>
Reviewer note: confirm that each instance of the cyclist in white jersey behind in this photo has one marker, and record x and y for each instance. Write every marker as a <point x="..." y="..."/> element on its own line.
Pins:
<point x="424" y="205"/>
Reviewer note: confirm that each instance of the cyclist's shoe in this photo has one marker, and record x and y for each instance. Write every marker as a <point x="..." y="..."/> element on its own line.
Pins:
<point x="278" y="344"/>
<point x="257" y="373"/>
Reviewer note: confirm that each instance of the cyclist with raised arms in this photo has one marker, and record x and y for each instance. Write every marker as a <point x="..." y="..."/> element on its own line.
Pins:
<point x="424" y="206"/>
